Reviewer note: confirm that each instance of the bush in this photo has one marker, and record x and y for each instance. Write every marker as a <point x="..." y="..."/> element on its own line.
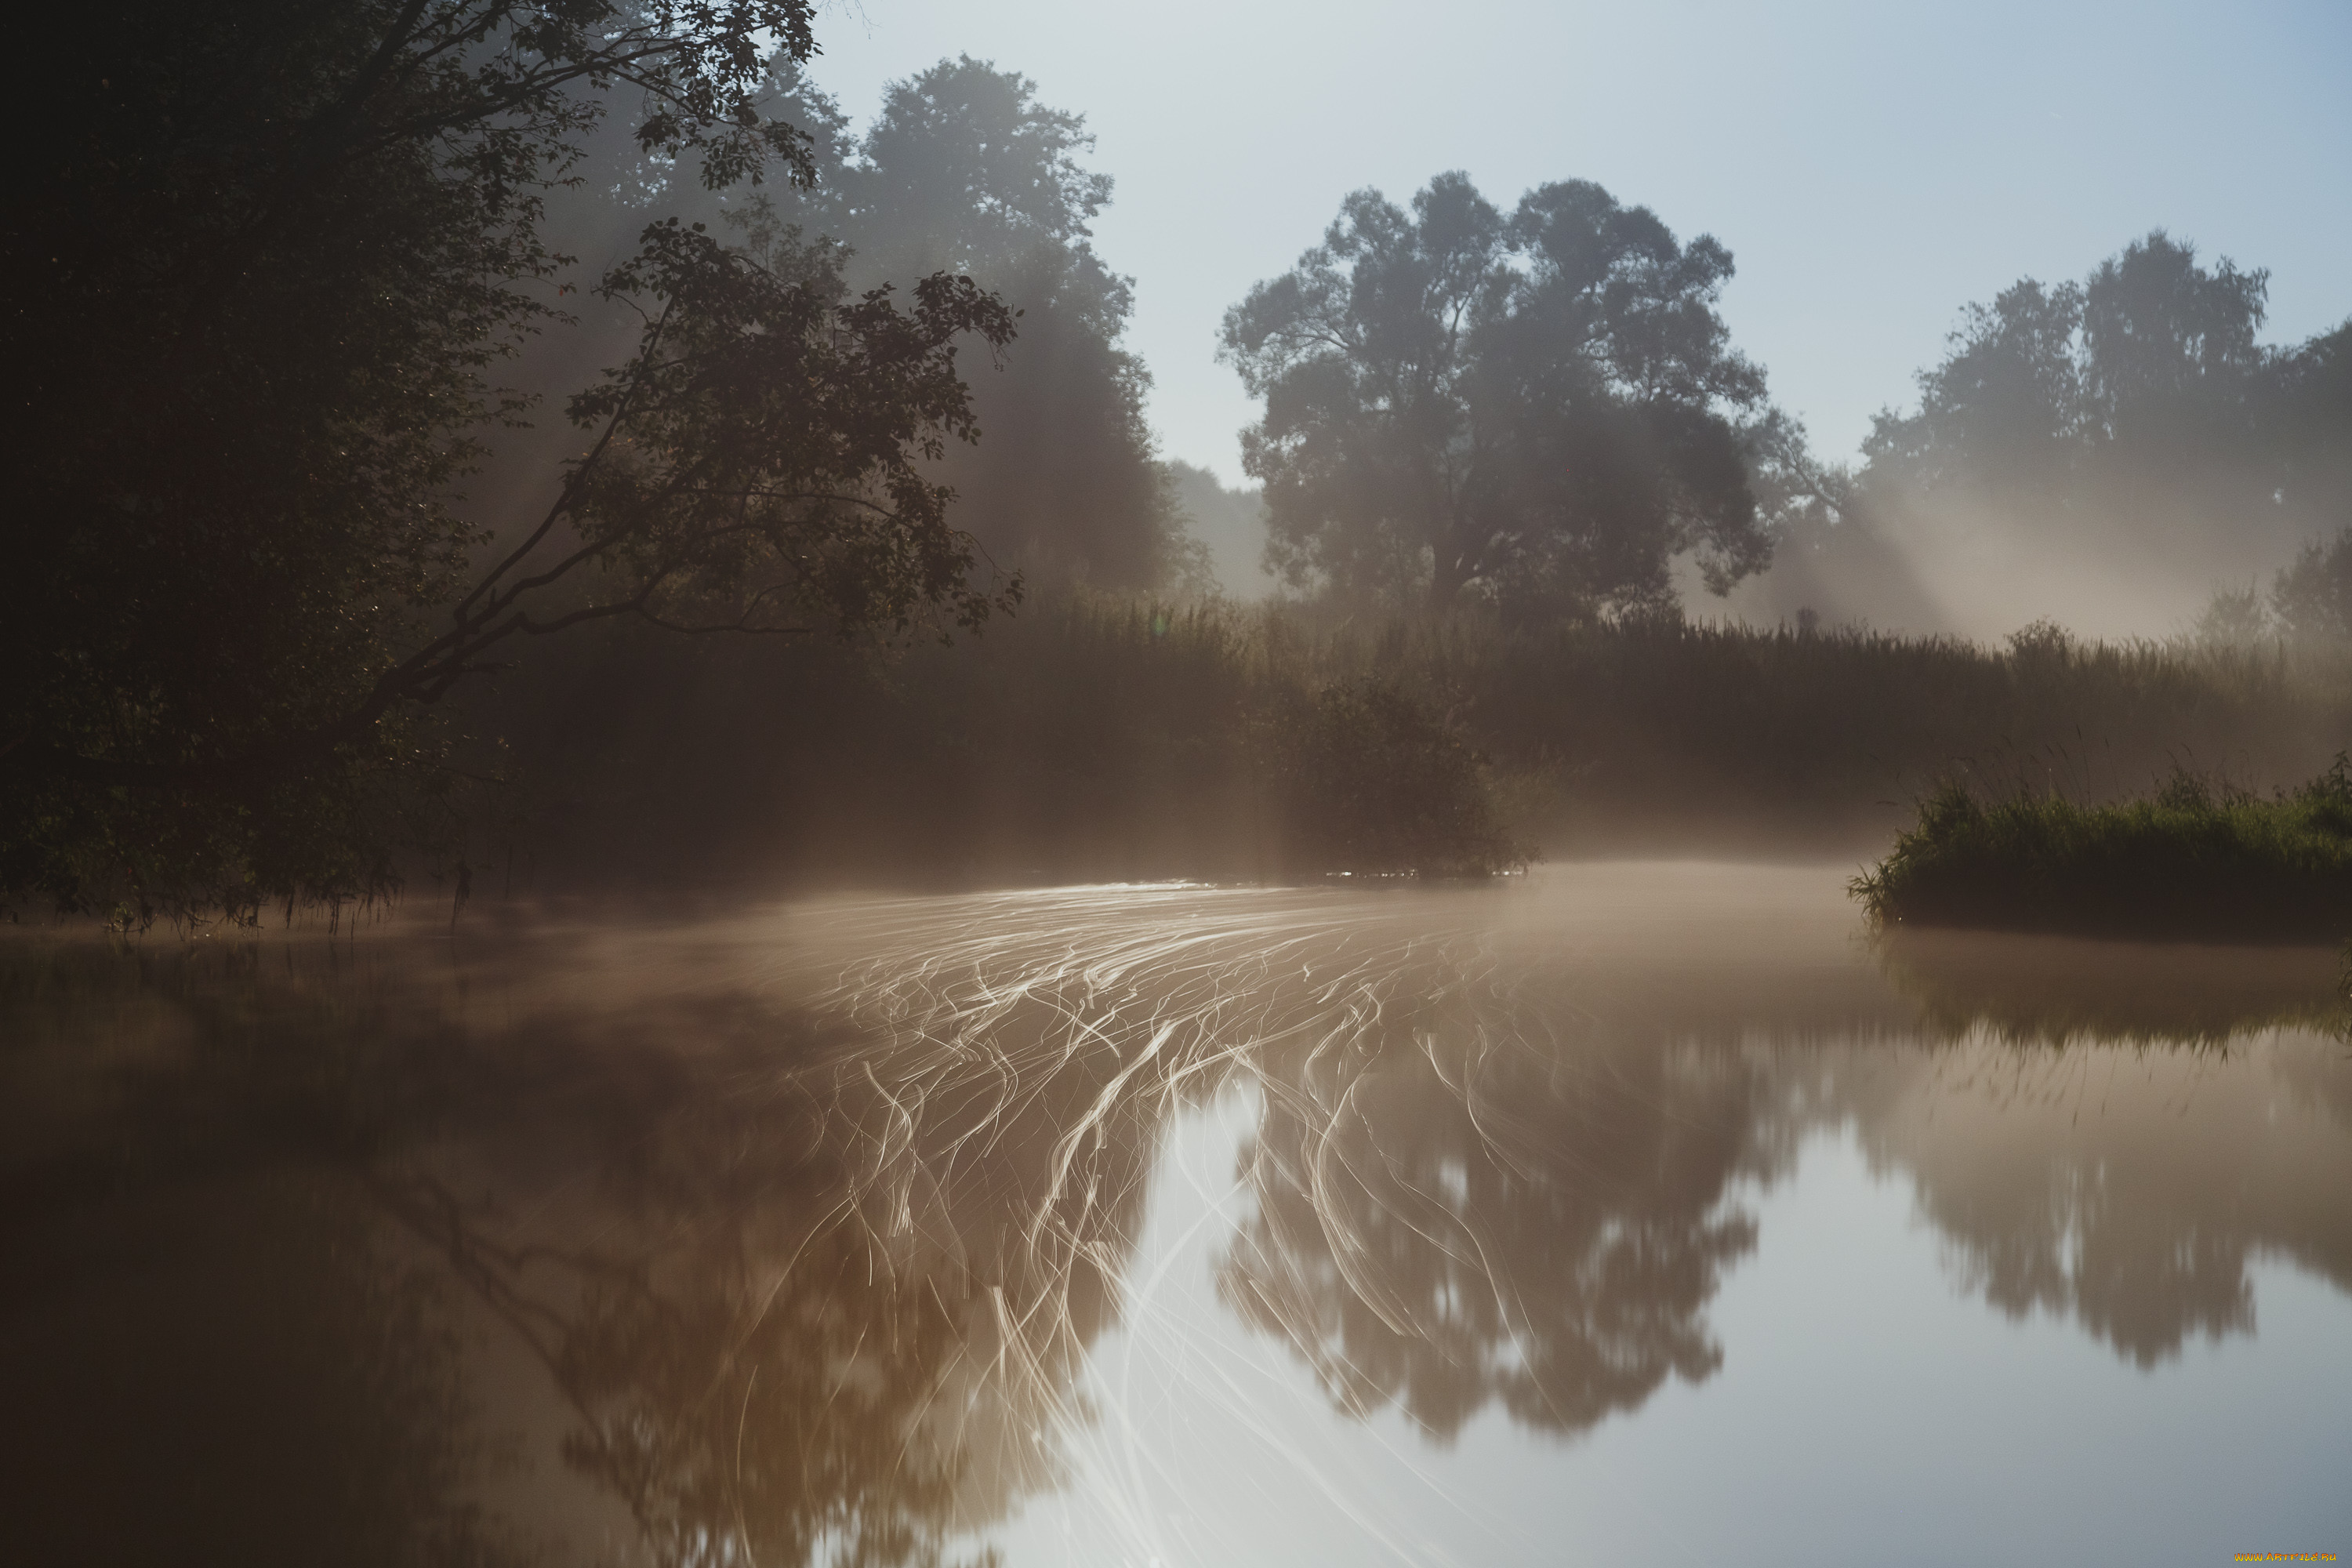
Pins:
<point x="2199" y="861"/>
<point x="1370" y="779"/>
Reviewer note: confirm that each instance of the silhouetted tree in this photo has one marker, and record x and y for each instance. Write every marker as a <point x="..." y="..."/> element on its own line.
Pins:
<point x="1447" y="1217"/>
<point x="2006" y="408"/>
<point x="278" y="260"/>
<point x="2168" y="349"/>
<point x="1540" y="409"/>
<point x="2312" y="599"/>
<point x="2304" y="411"/>
<point x="964" y="171"/>
<point x="2134" y="404"/>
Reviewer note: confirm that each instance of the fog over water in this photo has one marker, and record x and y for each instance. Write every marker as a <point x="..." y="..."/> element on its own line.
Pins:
<point x="1636" y="1210"/>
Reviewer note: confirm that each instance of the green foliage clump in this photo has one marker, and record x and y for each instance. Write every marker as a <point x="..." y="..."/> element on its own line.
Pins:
<point x="2198" y="860"/>
<point x="1371" y="780"/>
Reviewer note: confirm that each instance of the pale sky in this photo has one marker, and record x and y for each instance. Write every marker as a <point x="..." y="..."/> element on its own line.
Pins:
<point x="1872" y="167"/>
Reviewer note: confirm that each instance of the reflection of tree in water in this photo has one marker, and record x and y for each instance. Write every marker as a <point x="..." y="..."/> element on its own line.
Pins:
<point x="2053" y="991"/>
<point x="833" y="1313"/>
<point x="2130" y="1190"/>
<point x="211" y="1348"/>
<point x="1450" y="1213"/>
<point x="1500" y="1196"/>
<point x="807" y="1299"/>
<point x="2141" y="1278"/>
<point x="240" y="1373"/>
<point x="779" y="1422"/>
<point x="2121" y="1131"/>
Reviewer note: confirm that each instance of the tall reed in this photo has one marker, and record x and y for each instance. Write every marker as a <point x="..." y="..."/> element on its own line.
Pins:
<point x="1096" y="736"/>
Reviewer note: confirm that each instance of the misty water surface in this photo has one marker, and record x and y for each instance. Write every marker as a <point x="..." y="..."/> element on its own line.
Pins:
<point x="1641" y="1213"/>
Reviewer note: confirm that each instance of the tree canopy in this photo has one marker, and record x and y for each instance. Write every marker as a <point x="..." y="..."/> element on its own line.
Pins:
<point x="2135" y="404"/>
<point x="279" y="252"/>
<point x="963" y="169"/>
<point x="1543" y="410"/>
<point x="2120" y="441"/>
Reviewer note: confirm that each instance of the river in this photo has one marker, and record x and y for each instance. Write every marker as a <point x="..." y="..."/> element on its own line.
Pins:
<point x="1628" y="1212"/>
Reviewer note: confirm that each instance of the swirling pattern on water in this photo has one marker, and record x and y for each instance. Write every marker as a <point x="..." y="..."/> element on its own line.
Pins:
<point x="844" y="1230"/>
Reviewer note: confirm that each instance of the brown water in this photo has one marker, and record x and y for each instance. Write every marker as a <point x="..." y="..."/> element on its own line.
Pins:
<point x="1636" y="1214"/>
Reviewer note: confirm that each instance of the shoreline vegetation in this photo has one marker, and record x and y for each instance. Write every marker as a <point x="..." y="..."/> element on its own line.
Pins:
<point x="1104" y="737"/>
<point x="2200" y="861"/>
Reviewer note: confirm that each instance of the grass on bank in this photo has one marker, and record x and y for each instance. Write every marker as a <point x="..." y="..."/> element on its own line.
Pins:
<point x="2198" y="862"/>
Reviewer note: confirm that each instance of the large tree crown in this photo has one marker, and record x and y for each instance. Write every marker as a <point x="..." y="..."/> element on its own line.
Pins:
<point x="2150" y="355"/>
<point x="1499" y="394"/>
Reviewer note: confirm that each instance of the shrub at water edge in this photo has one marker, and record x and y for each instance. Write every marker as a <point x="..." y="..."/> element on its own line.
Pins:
<point x="2197" y="861"/>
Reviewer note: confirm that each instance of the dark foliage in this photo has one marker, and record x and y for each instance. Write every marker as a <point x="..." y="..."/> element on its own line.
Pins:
<point x="1086" y="739"/>
<point x="1095" y="738"/>
<point x="2196" y="861"/>
<point x="1547" y="435"/>
<point x="279" y="254"/>
<point x="2134" y="408"/>
<point x="1367" y="779"/>
<point x="2311" y="600"/>
<point x="964" y="171"/>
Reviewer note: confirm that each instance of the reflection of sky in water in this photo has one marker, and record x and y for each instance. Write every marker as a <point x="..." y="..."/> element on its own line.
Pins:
<point x="1865" y="1411"/>
<point x="1633" y="1214"/>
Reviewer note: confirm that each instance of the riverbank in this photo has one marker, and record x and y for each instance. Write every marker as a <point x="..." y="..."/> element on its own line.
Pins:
<point x="1094" y="738"/>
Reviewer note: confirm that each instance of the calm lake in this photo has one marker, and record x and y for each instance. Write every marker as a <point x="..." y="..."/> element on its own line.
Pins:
<point x="1628" y="1214"/>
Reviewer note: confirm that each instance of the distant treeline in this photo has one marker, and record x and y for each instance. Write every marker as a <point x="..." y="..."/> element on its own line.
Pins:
<point x="2108" y="451"/>
<point x="1097" y="737"/>
<point x="1543" y="412"/>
